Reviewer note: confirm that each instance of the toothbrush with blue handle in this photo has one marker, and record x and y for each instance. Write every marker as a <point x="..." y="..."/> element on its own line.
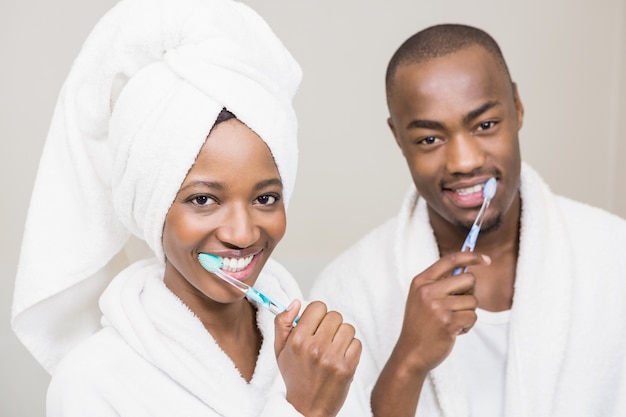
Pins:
<point x="213" y="264"/>
<point x="489" y="191"/>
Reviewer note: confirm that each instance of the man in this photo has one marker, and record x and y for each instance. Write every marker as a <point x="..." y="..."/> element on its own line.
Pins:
<point x="535" y="325"/>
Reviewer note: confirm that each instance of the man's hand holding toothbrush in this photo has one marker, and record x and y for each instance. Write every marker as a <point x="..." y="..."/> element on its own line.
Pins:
<point x="439" y="307"/>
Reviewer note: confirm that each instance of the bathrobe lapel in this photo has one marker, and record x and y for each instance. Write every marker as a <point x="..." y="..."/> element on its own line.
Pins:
<point x="167" y="334"/>
<point x="541" y="304"/>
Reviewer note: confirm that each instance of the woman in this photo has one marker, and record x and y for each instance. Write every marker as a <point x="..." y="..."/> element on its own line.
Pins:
<point x="143" y="141"/>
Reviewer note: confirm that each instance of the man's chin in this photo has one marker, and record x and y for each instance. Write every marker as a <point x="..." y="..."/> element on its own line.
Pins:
<point x="489" y="225"/>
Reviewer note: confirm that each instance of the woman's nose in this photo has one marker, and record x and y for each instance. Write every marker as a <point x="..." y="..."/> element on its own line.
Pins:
<point x="464" y="154"/>
<point x="238" y="228"/>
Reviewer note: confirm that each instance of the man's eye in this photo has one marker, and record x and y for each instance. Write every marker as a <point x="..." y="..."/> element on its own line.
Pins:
<point x="486" y="125"/>
<point x="267" y="199"/>
<point x="429" y="140"/>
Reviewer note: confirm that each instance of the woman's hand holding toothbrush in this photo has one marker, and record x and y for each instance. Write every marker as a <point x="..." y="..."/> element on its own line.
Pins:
<point x="317" y="358"/>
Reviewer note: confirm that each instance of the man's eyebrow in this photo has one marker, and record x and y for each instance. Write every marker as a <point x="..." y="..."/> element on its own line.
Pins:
<point x="433" y="125"/>
<point x="424" y="124"/>
<point x="477" y="112"/>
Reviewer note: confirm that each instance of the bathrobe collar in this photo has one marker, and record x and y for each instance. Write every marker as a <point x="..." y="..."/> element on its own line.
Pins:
<point x="167" y="334"/>
<point x="542" y="287"/>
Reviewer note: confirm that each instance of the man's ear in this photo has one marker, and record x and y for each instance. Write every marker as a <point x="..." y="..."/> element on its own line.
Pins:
<point x="519" y="107"/>
<point x="395" y="133"/>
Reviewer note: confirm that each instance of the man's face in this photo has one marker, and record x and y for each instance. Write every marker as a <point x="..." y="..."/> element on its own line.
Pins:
<point x="456" y="119"/>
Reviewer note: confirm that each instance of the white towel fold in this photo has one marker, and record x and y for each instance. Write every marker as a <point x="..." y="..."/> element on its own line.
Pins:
<point x="137" y="106"/>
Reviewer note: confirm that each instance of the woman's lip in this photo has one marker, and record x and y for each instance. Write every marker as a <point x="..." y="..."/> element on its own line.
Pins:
<point x="236" y="253"/>
<point x="247" y="271"/>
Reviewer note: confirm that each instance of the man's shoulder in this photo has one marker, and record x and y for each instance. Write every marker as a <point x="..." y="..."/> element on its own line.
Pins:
<point x="593" y="216"/>
<point x="596" y="232"/>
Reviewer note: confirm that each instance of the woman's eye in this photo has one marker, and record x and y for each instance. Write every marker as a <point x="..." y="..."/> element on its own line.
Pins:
<point x="202" y="200"/>
<point x="267" y="199"/>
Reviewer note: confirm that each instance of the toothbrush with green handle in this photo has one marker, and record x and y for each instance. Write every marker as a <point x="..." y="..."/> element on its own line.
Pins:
<point x="213" y="264"/>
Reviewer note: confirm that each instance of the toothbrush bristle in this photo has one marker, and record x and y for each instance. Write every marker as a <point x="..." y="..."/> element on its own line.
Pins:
<point x="489" y="191"/>
<point x="209" y="262"/>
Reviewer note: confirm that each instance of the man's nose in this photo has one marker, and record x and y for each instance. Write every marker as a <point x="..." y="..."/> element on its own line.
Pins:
<point x="464" y="154"/>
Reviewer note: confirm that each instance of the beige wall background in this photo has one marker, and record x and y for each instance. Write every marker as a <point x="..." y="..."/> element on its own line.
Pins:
<point x="568" y="57"/>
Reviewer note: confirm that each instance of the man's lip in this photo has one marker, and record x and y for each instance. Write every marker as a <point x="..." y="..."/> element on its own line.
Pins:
<point x="465" y="184"/>
<point x="466" y="201"/>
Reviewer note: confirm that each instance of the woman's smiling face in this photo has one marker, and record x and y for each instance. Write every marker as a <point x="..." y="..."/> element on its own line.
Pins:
<point x="230" y="205"/>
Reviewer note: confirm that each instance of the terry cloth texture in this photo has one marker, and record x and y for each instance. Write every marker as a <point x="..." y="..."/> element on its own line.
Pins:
<point x="567" y="336"/>
<point x="154" y="357"/>
<point x="131" y="117"/>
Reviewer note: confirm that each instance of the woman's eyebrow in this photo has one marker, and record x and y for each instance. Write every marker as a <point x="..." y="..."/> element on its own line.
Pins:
<point x="204" y="184"/>
<point x="268" y="183"/>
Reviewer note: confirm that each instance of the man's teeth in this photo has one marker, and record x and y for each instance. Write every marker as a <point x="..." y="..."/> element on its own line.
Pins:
<point x="470" y="190"/>
<point x="236" y="264"/>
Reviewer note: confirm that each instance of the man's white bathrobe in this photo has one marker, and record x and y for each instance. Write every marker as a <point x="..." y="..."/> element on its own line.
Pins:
<point x="567" y="334"/>
<point x="154" y="358"/>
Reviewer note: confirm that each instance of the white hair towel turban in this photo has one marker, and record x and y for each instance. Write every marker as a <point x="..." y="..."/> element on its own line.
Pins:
<point x="137" y="106"/>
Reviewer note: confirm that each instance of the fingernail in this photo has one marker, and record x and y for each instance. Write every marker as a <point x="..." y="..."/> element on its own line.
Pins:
<point x="486" y="259"/>
<point x="290" y="306"/>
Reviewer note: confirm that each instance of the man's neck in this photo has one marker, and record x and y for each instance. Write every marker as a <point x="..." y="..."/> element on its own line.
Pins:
<point x="494" y="283"/>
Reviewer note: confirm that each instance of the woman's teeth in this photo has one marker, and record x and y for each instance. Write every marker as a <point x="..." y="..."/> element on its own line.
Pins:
<point x="470" y="190"/>
<point x="236" y="264"/>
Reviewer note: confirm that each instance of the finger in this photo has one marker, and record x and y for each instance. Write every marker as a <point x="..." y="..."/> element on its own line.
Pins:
<point x="458" y="284"/>
<point x="283" y="325"/>
<point x="353" y="352"/>
<point x="447" y="264"/>
<point x="311" y="318"/>
<point x="460" y="260"/>
<point x="465" y="320"/>
<point x="453" y="285"/>
<point x="344" y="336"/>
<point x="329" y="325"/>
<point x="460" y="303"/>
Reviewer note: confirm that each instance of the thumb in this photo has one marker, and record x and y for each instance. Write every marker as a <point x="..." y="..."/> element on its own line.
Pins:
<point x="283" y="324"/>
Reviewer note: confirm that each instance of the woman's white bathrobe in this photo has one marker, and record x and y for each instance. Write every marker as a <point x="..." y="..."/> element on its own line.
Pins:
<point x="567" y="339"/>
<point x="154" y="358"/>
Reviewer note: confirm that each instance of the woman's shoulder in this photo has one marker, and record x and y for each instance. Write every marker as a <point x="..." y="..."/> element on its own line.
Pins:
<point x="85" y="375"/>
<point x="106" y="374"/>
<point x="93" y="359"/>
